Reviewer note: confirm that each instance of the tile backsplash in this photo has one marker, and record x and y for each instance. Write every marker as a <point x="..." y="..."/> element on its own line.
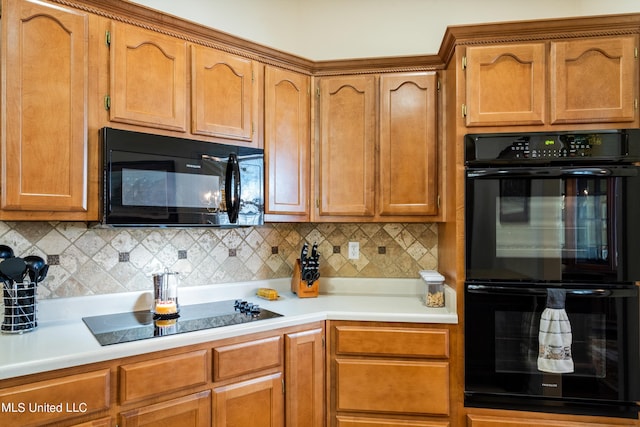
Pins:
<point x="87" y="261"/>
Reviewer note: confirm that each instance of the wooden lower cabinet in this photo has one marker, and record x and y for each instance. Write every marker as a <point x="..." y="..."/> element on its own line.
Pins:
<point x="157" y="377"/>
<point x="304" y="383"/>
<point x="233" y="382"/>
<point x="392" y="386"/>
<point x="388" y="374"/>
<point x="102" y="422"/>
<point x="56" y="399"/>
<point x="193" y="410"/>
<point x="257" y="402"/>
<point x="497" y="418"/>
<point x="344" y="421"/>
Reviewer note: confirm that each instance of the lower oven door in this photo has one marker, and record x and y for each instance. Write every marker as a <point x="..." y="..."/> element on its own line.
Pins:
<point x="596" y="366"/>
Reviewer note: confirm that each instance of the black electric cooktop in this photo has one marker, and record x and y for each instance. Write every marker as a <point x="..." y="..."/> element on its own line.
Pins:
<point x="139" y="325"/>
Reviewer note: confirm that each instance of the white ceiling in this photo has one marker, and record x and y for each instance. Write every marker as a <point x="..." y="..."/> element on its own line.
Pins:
<point x="340" y="29"/>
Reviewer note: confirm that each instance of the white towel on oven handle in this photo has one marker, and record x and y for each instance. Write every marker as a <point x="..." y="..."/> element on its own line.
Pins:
<point x="554" y="336"/>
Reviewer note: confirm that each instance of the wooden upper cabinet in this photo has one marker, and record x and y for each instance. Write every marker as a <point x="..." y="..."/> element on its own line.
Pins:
<point x="44" y="110"/>
<point x="594" y="80"/>
<point x="506" y="85"/>
<point x="590" y="80"/>
<point x="347" y="145"/>
<point x="222" y="94"/>
<point x="148" y="78"/>
<point x="408" y="144"/>
<point x="287" y="144"/>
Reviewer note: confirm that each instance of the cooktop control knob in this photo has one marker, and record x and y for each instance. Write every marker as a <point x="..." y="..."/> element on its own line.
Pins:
<point x="246" y="307"/>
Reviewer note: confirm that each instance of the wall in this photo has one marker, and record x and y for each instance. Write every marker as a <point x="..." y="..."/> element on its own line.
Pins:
<point x="87" y="261"/>
<point x="338" y="29"/>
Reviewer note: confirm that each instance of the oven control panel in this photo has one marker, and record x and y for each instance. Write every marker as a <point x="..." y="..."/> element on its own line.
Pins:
<point x="616" y="145"/>
<point x="553" y="147"/>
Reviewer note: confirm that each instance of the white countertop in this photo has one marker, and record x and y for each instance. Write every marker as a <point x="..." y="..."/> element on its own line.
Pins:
<point x="62" y="340"/>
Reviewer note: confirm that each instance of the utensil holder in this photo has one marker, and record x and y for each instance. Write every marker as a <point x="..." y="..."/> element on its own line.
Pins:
<point x="19" y="307"/>
<point x="301" y="287"/>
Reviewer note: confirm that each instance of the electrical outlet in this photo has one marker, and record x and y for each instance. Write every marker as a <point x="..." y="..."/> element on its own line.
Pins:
<point x="354" y="250"/>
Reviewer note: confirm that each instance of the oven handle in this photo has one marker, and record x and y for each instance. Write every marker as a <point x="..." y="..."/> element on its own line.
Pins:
<point x="543" y="172"/>
<point x="630" y="291"/>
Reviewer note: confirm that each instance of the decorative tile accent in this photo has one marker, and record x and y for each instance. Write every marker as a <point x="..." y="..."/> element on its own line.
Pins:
<point x="87" y="261"/>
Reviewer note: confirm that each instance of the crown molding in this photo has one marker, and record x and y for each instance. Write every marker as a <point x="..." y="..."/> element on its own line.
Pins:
<point x="537" y="30"/>
<point x="459" y="35"/>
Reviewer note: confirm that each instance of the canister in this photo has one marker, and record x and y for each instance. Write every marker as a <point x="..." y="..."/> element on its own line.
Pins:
<point x="165" y="294"/>
<point x="434" y="284"/>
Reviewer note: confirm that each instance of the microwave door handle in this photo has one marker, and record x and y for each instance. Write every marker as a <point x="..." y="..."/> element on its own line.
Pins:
<point x="232" y="188"/>
<point x="514" y="290"/>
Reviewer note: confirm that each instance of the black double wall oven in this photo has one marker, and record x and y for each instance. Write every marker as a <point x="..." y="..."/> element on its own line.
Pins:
<point x="552" y="235"/>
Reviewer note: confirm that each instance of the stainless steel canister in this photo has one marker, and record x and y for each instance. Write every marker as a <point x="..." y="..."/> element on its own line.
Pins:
<point x="165" y="293"/>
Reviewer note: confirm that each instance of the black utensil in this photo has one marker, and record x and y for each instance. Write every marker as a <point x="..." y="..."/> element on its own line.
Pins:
<point x="6" y="252"/>
<point x="35" y="266"/>
<point x="14" y="268"/>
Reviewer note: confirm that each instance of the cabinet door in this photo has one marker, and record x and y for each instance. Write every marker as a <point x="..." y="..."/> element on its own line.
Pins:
<point x="287" y="143"/>
<point x="347" y="146"/>
<point x="44" y="96"/>
<point x="221" y="93"/>
<point x="304" y="355"/>
<point x="594" y="80"/>
<point x="102" y="422"/>
<point x="506" y="85"/>
<point x="148" y="78"/>
<point x="408" y="144"/>
<point x="189" y="411"/>
<point x="257" y="403"/>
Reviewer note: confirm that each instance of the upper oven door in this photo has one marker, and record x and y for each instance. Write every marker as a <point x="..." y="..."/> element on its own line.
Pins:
<point x="553" y="224"/>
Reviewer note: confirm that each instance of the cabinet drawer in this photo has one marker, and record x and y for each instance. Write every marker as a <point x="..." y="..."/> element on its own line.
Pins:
<point x="344" y="421"/>
<point x="44" y="402"/>
<point x="510" y="421"/>
<point x="161" y="376"/>
<point x="384" y="386"/>
<point x="399" y="342"/>
<point x="244" y="358"/>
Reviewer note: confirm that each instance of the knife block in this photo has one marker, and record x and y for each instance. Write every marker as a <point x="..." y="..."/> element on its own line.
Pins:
<point x="299" y="286"/>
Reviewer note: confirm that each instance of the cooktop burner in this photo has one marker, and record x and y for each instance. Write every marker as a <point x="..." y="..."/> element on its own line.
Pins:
<point x="138" y="325"/>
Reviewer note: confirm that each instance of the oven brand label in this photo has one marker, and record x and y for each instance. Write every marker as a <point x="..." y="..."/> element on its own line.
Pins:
<point x="189" y="165"/>
<point x="550" y="385"/>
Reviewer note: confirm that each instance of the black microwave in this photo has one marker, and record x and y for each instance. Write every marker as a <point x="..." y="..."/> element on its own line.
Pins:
<point x="158" y="180"/>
